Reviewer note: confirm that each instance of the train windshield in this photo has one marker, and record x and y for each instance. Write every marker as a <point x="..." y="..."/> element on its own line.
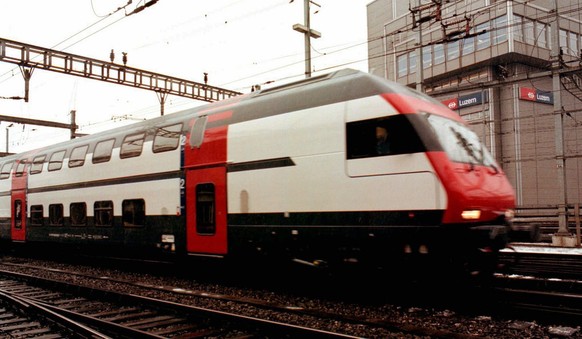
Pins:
<point x="460" y="143"/>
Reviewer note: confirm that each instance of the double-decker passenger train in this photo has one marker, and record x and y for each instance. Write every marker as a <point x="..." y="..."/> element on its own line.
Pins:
<point x="345" y="167"/>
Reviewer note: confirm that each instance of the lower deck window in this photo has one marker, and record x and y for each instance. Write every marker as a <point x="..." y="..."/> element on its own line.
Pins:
<point x="133" y="212"/>
<point x="36" y="215"/>
<point x="56" y="215"/>
<point x="103" y="212"/>
<point x="78" y="212"/>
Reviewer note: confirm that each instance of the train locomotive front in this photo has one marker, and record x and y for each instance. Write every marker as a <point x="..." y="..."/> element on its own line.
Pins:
<point x="386" y="176"/>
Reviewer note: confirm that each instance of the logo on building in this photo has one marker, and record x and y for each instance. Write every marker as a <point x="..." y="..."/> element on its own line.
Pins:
<point x="532" y="94"/>
<point x="465" y="101"/>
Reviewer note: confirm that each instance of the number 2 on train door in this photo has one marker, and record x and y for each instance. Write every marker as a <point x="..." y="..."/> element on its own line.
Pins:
<point x="206" y="230"/>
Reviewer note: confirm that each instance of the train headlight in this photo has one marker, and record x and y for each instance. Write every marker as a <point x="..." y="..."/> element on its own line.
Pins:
<point x="471" y="214"/>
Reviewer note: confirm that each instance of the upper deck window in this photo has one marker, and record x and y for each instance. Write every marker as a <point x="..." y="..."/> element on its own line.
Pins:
<point x="77" y="157"/>
<point x="132" y="146"/>
<point x="6" y="168"/>
<point x="20" y="167"/>
<point x="167" y="138"/>
<point x="37" y="164"/>
<point x="56" y="161"/>
<point x="102" y="152"/>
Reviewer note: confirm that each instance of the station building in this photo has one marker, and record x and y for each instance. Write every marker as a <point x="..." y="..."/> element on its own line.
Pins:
<point x="511" y="69"/>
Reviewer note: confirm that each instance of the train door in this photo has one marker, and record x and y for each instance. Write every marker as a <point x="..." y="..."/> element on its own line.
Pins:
<point x="206" y="211"/>
<point x="205" y="173"/>
<point x="18" y="203"/>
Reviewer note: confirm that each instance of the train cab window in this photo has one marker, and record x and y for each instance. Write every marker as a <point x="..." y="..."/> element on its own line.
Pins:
<point x="37" y="164"/>
<point x="133" y="214"/>
<point x="205" y="209"/>
<point x="56" y="215"/>
<point x="78" y="213"/>
<point x="56" y="161"/>
<point x="36" y="215"/>
<point x="102" y="152"/>
<point x="17" y="213"/>
<point x="77" y="157"/>
<point x="167" y="138"/>
<point x="20" y="168"/>
<point x="132" y="146"/>
<point x="103" y="212"/>
<point x="381" y="137"/>
<point x="5" y="171"/>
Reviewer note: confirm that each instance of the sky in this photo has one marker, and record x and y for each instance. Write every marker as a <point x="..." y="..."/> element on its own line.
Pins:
<point x="239" y="43"/>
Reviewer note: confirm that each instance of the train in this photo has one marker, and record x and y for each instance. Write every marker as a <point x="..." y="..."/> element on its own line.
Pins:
<point x="346" y="167"/>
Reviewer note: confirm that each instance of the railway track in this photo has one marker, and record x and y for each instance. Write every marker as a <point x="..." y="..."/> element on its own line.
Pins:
<point x="101" y="313"/>
<point x="384" y="326"/>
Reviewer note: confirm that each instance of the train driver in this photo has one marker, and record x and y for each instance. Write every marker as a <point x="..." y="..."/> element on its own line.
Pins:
<point x="382" y="143"/>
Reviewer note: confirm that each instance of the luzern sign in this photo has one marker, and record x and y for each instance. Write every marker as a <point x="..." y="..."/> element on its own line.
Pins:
<point x="466" y="100"/>
<point x="532" y="94"/>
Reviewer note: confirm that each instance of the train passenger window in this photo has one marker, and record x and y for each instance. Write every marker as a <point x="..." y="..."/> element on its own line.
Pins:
<point x="56" y="161"/>
<point x="205" y="209"/>
<point x="78" y="213"/>
<point x="37" y="164"/>
<point x="132" y="146"/>
<point x="77" y="157"/>
<point x="103" y="212"/>
<point x="5" y="171"/>
<point x="102" y="152"/>
<point x="20" y="167"/>
<point x="36" y="215"/>
<point x="167" y="138"/>
<point x="133" y="212"/>
<point x="382" y="136"/>
<point x="56" y="215"/>
<point x="17" y="214"/>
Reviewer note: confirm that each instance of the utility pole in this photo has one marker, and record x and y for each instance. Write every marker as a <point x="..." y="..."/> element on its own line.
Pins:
<point x="563" y="232"/>
<point x="309" y="33"/>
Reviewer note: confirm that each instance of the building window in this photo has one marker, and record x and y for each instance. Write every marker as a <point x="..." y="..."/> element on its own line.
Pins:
<point x="439" y="54"/>
<point x="529" y="36"/>
<point x="56" y="215"/>
<point x="56" y="161"/>
<point x="6" y="168"/>
<point x="102" y="152"/>
<point x="103" y="213"/>
<point x="37" y="164"/>
<point x="77" y="157"/>
<point x="452" y="50"/>
<point x="500" y="30"/>
<point x="484" y="36"/>
<point x="541" y="31"/>
<point x="205" y="209"/>
<point x="133" y="212"/>
<point x="402" y="65"/>
<point x="78" y="212"/>
<point x="167" y="138"/>
<point x="412" y="62"/>
<point x="517" y="28"/>
<point x="427" y="56"/>
<point x="572" y="44"/>
<point x="468" y="45"/>
<point x="132" y="146"/>
<point x="36" y="215"/>
<point x="564" y="41"/>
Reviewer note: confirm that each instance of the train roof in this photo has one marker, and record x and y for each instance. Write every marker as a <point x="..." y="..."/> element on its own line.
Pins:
<point x="342" y="85"/>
